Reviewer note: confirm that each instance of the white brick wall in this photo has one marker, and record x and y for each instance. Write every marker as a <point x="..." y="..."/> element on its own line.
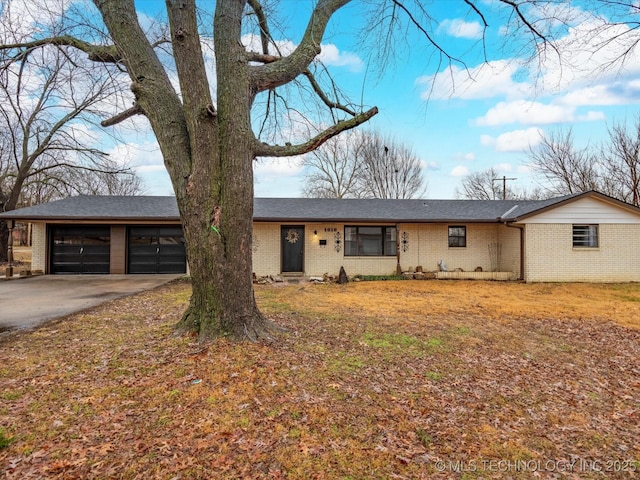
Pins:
<point x="39" y="247"/>
<point x="425" y="246"/>
<point x="266" y="249"/>
<point x="428" y="244"/>
<point x="551" y="257"/>
<point x="318" y="260"/>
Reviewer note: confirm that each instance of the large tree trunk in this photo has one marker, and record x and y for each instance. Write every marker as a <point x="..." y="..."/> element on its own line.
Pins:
<point x="218" y="230"/>
<point x="208" y="155"/>
<point x="216" y="204"/>
<point x="209" y="148"/>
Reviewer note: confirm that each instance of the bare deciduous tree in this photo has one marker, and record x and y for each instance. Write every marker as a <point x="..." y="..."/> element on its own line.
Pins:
<point x="490" y="185"/>
<point x="390" y="169"/>
<point x="566" y="168"/>
<point x="481" y="186"/>
<point x="48" y="101"/>
<point x="620" y="158"/>
<point x="334" y="168"/>
<point x="613" y="168"/>
<point x="364" y="165"/>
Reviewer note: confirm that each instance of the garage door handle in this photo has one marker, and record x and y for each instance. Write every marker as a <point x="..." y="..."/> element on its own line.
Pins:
<point x="157" y="250"/>
<point x="81" y="250"/>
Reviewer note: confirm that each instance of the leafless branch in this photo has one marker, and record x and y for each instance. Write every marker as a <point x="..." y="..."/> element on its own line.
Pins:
<point x="264" y="150"/>
<point x="322" y="95"/>
<point x="121" y="117"/>
<point x="95" y="53"/>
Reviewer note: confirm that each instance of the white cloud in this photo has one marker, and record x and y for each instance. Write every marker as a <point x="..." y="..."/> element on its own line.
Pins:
<point x="515" y="141"/>
<point x="331" y="55"/>
<point x="83" y="133"/>
<point x="525" y="168"/>
<point x="526" y="113"/>
<point x="503" y="167"/>
<point x="143" y="156"/>
<point x="487" y="140"/>
<point x="614" y="93"/>
<point x="464" y="157"/>
<point x="144" y="169"/>
<point x="23" y="15"/>
<point x="590" y="50"/>
<point x="253" y="43"/>
<point x="592" y="64"/>
<point x="591" y="116"/>
<point x="459" y="171"/>
<point x="432" y="166"/>
<point x="490" y="80"/>
<point x="460" y="29"/>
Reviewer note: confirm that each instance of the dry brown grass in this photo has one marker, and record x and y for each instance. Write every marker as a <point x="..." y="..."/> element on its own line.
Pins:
<point x="21" y="259"/>
<point x="373" y="380"/>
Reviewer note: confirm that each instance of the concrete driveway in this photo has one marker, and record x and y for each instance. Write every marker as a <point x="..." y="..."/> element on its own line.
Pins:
<point x="28" y="302"/>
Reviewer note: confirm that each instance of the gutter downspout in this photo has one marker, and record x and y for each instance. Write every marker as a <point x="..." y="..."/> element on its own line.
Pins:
<point x="521" y="228"/>
<point x="398" y="266"/>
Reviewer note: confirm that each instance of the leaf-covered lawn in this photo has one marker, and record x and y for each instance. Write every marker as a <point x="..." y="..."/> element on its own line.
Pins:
<point x="407" y="379"/>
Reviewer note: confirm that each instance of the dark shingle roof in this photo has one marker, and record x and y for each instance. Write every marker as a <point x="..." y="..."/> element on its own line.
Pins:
<point x="382" y="210"/>
<point x="145" y="208"/>
<point x="98" y="207"/>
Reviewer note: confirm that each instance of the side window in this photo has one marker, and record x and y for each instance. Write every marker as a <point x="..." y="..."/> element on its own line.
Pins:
<point x="585" y="236"/>
<point x="457" y="236"/>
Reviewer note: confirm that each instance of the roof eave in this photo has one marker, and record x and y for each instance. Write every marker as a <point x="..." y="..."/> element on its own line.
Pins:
<point x="42" y="218"/>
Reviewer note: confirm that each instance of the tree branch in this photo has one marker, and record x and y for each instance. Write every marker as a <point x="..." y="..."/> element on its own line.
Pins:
<point x="275" y="74"/>
<point x="95" y="53"/>
<point x="523" y="19"/>
<point x="323" y="96"/>
<point x="423" y="30"/>
<point x="262" y="58"/>
<point x="265" y="34"/>
<point x="264" y="150"/>
<point x="122" y="116"/>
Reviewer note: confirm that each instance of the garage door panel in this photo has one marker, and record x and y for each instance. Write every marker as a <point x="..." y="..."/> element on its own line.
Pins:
<point x="80" y="249"/>
<point x="156" y="250"/>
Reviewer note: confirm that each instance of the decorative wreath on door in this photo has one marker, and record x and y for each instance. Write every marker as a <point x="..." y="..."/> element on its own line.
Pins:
<point x="292" y="236"/>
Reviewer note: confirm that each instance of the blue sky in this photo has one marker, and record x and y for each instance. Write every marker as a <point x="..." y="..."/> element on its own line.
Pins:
<point x="457" y="121"/>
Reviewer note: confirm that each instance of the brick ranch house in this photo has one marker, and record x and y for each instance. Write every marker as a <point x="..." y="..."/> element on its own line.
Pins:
<point x="585" y="237"/>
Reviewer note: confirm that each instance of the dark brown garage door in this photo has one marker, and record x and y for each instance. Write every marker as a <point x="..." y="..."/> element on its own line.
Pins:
<point x="156" y="250"/>
<point x="80" y="249"/>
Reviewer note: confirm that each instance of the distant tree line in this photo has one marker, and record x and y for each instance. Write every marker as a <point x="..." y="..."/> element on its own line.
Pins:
<point x="612" y="168"/>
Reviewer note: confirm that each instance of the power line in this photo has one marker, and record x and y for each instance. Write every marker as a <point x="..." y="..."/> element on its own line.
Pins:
<point x="504" y="185"/>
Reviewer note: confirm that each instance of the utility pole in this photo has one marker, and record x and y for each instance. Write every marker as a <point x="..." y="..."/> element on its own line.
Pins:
<point x="504" y="185"/>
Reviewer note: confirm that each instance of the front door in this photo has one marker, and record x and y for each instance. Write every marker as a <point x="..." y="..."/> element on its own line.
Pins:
<point x="292" y="240"/>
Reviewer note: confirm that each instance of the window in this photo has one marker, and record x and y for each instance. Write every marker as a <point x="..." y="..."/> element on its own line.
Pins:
<point x="585" y="236"/>
<point x="369" y="241"/>
<point x="457" y="236"/>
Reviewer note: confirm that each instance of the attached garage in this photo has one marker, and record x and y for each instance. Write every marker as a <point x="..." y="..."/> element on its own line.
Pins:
<point x="156" y="250"/>
<point x="80" y="249"/>
<point x="115" y="235"/>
